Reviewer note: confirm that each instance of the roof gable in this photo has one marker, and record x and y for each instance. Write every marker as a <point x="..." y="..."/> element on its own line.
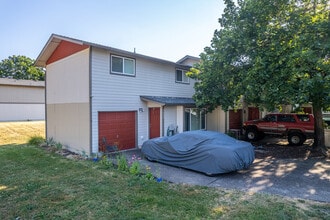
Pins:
<point x="64" y="49"/>
<point x="188" y="60"/>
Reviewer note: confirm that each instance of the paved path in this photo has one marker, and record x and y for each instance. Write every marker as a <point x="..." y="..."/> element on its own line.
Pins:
<point x="296" y="178"/>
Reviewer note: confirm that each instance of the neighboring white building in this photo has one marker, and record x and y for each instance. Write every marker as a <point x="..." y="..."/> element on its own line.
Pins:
<point x="22" y="100"/>
<point x="96" y="93"/>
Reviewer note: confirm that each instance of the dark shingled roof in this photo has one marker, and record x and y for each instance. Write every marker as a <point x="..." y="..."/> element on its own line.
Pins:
<point x="169" y="100"/>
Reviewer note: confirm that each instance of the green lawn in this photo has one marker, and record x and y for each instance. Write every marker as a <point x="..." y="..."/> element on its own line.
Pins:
<point x="40" y="184"/>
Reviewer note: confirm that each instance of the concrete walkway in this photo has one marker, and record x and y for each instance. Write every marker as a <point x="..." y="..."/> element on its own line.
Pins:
<point x="296" y="178"/>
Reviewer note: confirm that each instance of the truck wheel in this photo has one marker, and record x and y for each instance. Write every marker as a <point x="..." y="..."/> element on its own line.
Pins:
<point x="251" y="134"/>
<point x="296" y="139"/>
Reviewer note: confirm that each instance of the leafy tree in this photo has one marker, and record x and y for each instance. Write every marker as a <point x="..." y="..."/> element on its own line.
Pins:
<point x="20" y="67"/>
<point x="270" y="53"/>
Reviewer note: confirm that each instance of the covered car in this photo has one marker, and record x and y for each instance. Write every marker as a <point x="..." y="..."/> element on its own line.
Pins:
<point x="208" y="152"/>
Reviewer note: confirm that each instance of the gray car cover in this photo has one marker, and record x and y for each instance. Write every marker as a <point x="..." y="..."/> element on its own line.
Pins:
<point x="203" y="151"/>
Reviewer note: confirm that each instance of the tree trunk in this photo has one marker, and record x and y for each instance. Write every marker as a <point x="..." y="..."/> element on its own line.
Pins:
<point x="319" y="140"/>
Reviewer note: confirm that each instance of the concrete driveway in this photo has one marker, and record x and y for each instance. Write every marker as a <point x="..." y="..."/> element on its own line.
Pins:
<point x="296" y="178"/>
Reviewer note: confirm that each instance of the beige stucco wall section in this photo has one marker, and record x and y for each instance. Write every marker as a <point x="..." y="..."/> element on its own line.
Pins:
<point x="22" y="100"/>
<point x="216" y="120"/>
<point x="67" y="102"/>
<point x="69" y="124"/>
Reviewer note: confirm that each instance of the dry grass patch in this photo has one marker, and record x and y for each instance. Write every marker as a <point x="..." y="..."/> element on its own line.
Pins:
<point x="20" y="132"/>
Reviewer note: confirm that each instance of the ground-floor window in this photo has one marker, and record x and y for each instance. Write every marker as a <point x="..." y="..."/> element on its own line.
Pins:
<point x="195" y="119"/>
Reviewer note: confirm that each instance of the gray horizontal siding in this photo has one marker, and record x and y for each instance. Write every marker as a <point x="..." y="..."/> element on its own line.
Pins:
<point x="112" y="92"/>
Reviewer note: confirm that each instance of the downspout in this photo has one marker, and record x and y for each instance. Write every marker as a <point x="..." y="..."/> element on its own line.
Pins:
<point x="90" y="102"/>
<point x="163" y="120"/>
<point x="46" y="132"/>
<point x="226" y="121"/>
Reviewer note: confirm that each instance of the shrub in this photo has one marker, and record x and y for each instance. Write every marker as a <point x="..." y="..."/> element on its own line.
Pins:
<point x="36" y="140"/>
<point x="135" y="168"/>
<point x="122" y="163"/>
<point x="50" y="142"/>
<point x="106" y="162"/>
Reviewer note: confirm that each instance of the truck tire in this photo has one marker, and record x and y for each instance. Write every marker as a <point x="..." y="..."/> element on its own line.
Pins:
<point x="296" y="139"/>
<point x="251" y="134"/>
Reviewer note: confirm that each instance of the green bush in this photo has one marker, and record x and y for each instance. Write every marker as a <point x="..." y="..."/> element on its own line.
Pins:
<point x="135" y="168"/>
<point x="122" y="163"/>
<point x="36" y="140"/>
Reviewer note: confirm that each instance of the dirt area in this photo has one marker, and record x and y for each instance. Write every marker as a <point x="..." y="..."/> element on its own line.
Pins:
<point x="279" y="148"/>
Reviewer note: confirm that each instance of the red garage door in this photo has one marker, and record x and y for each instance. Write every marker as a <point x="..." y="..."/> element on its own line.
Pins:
<point x="117" y="128"/>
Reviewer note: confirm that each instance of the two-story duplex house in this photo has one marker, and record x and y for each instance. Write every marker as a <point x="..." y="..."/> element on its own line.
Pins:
<point x="97" y="95"/>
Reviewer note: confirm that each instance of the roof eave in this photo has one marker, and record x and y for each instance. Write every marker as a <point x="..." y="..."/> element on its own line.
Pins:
<point x="197" y="59"/>
<point x="50" y="47"/>
<point x="168" y="101"/>
<point x="21" y="82"/>
<point x="55" y="40"/>
<point x="150" y="100"/>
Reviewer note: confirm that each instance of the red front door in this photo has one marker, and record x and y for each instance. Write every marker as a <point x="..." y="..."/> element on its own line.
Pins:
<point x="253" y="113"/>
<point x="154" y="122"/>
<point x="235" y="119"/>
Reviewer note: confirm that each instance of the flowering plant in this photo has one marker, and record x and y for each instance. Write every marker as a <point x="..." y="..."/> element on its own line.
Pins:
<point x="134" y="165"/>
<point x="149" y="175"/>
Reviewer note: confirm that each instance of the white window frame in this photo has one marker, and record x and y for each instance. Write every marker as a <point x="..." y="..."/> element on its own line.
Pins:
<point x="185" y="79"/>
<point x="193" y="111"/>
<point x="123" y="66"/>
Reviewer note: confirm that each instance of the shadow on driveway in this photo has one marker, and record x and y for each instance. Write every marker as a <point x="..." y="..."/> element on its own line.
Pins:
<point x="297" y="178"/>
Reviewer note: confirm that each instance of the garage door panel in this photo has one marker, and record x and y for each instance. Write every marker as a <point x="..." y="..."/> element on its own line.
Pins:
<point x="119" y="128"/>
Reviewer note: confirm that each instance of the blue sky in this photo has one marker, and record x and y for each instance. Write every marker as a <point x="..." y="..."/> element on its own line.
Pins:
<point x="166" y="29"/>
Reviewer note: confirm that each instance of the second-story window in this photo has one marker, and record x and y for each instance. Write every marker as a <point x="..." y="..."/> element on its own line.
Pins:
<point x="181" y="77"/>
<point x="122" y="65"/>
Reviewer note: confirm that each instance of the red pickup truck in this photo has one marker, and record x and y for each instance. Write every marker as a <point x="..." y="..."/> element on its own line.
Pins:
<point x="297" y="127"/>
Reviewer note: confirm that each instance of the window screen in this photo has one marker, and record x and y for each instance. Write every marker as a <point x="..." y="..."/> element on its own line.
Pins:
<point x="122" y="65"/>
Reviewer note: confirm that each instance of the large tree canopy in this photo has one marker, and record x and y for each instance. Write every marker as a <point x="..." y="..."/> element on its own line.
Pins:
<point x="21" y="67"/>
<point x="271" y="53"/>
